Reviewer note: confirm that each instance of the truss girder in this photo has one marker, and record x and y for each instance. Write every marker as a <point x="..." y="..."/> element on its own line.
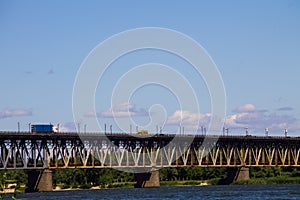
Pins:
<point x="74" y="152"/>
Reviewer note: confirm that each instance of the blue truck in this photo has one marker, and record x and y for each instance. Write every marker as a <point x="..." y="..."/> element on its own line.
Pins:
<point x="42" y="128"/>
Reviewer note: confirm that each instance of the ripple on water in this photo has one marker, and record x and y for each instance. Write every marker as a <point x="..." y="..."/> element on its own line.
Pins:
<point x="228" y="192"/>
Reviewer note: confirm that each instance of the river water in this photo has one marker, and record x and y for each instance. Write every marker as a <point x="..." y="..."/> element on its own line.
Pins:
<point x="206" y="192"/>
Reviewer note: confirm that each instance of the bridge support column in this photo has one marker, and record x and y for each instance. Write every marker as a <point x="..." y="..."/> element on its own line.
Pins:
<point x="242" y="174"/>
<point x="39" y="181"/>
<point x="236" y="174"/>
<point x="146" y="180"/>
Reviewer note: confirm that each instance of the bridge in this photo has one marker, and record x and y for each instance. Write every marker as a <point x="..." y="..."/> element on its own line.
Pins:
<point x="39" y="153"/>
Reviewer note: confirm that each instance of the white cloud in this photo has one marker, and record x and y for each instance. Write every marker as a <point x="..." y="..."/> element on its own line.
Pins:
<point x="66" y="127"/>
<point x="14" y="113"/>
<point x="188" y="120"/>
<point x="120" y="110"/>
<point x="245" y="108"/>
<point x="231" y="120"/>
<point x="249" y="116"/>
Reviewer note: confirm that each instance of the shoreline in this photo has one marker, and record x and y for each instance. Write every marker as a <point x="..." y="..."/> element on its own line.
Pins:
<point x="186" y="183"/>
<point x="199" y="183"/>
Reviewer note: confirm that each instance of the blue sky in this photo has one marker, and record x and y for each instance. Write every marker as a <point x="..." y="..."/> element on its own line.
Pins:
<point x="254" y="44"/>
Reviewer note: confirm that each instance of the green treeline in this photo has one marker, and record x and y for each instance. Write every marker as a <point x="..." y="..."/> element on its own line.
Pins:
<point x="87" y="178"/>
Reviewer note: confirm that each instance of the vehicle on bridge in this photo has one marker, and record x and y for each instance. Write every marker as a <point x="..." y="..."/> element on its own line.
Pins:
<point x="42" y="128"/>
<point x="142" y="132"/>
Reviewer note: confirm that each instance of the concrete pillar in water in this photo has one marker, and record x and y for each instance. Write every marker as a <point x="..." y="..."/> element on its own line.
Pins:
<point x="242" y="174"/>
<point x="147" y="179"/>
<point x="236" y="174"/>
<point x="39" y="181"/>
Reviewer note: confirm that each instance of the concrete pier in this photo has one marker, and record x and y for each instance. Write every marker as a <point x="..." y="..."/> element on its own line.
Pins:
<point x="236" y="174"/>
<point x="146" y="180"/>
<point x="242" y="174"/>
<point x="39" y="181"/>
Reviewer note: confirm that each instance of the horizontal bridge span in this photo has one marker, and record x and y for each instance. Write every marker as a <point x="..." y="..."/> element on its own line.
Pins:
<point x="70" y="150"/>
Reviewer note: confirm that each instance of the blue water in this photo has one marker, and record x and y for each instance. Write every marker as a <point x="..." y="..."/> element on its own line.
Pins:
<point x="207" y="192"/>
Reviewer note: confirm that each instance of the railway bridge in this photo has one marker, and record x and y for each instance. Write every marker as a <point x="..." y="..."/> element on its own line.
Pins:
<point x="39" y="153"/>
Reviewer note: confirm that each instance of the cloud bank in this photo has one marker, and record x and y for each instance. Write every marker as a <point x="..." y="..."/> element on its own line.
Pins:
<point x="119" y="111"/>
<point x="243" y="116"/>
<point x="6" y="113"/>
<point x="247" y="115"/>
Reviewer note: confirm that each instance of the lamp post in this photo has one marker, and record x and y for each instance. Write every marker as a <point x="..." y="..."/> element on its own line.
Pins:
<point x="19" y="127"/>
<point x="246" y="130"/>
<point x="29" y="128"/>
<point x="267" y="131"/>
<point x="285" y="132"/>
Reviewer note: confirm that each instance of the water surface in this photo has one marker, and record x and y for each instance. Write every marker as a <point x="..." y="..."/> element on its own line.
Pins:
<point x="228" y="192"/>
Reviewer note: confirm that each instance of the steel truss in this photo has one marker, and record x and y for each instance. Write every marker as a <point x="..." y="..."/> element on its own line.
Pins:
<point x="40" y="151"/>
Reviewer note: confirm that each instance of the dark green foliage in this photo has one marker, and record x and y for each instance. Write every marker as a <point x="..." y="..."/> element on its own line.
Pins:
<point x="106" y="177"/>
<point x="85" y="178"/>
<point x="191" y="173"/>
<point x="214" y="181"/>
<point x="19" y="176"/>
<point x="272" y="180"/>
<point x="65" y="186"/>
<point x="111" y="178"/>
<point x="169" y="174"/>
<point x="86" y="186"/>
<point x="265" y="172"/>
<point x="8" y="177"/>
